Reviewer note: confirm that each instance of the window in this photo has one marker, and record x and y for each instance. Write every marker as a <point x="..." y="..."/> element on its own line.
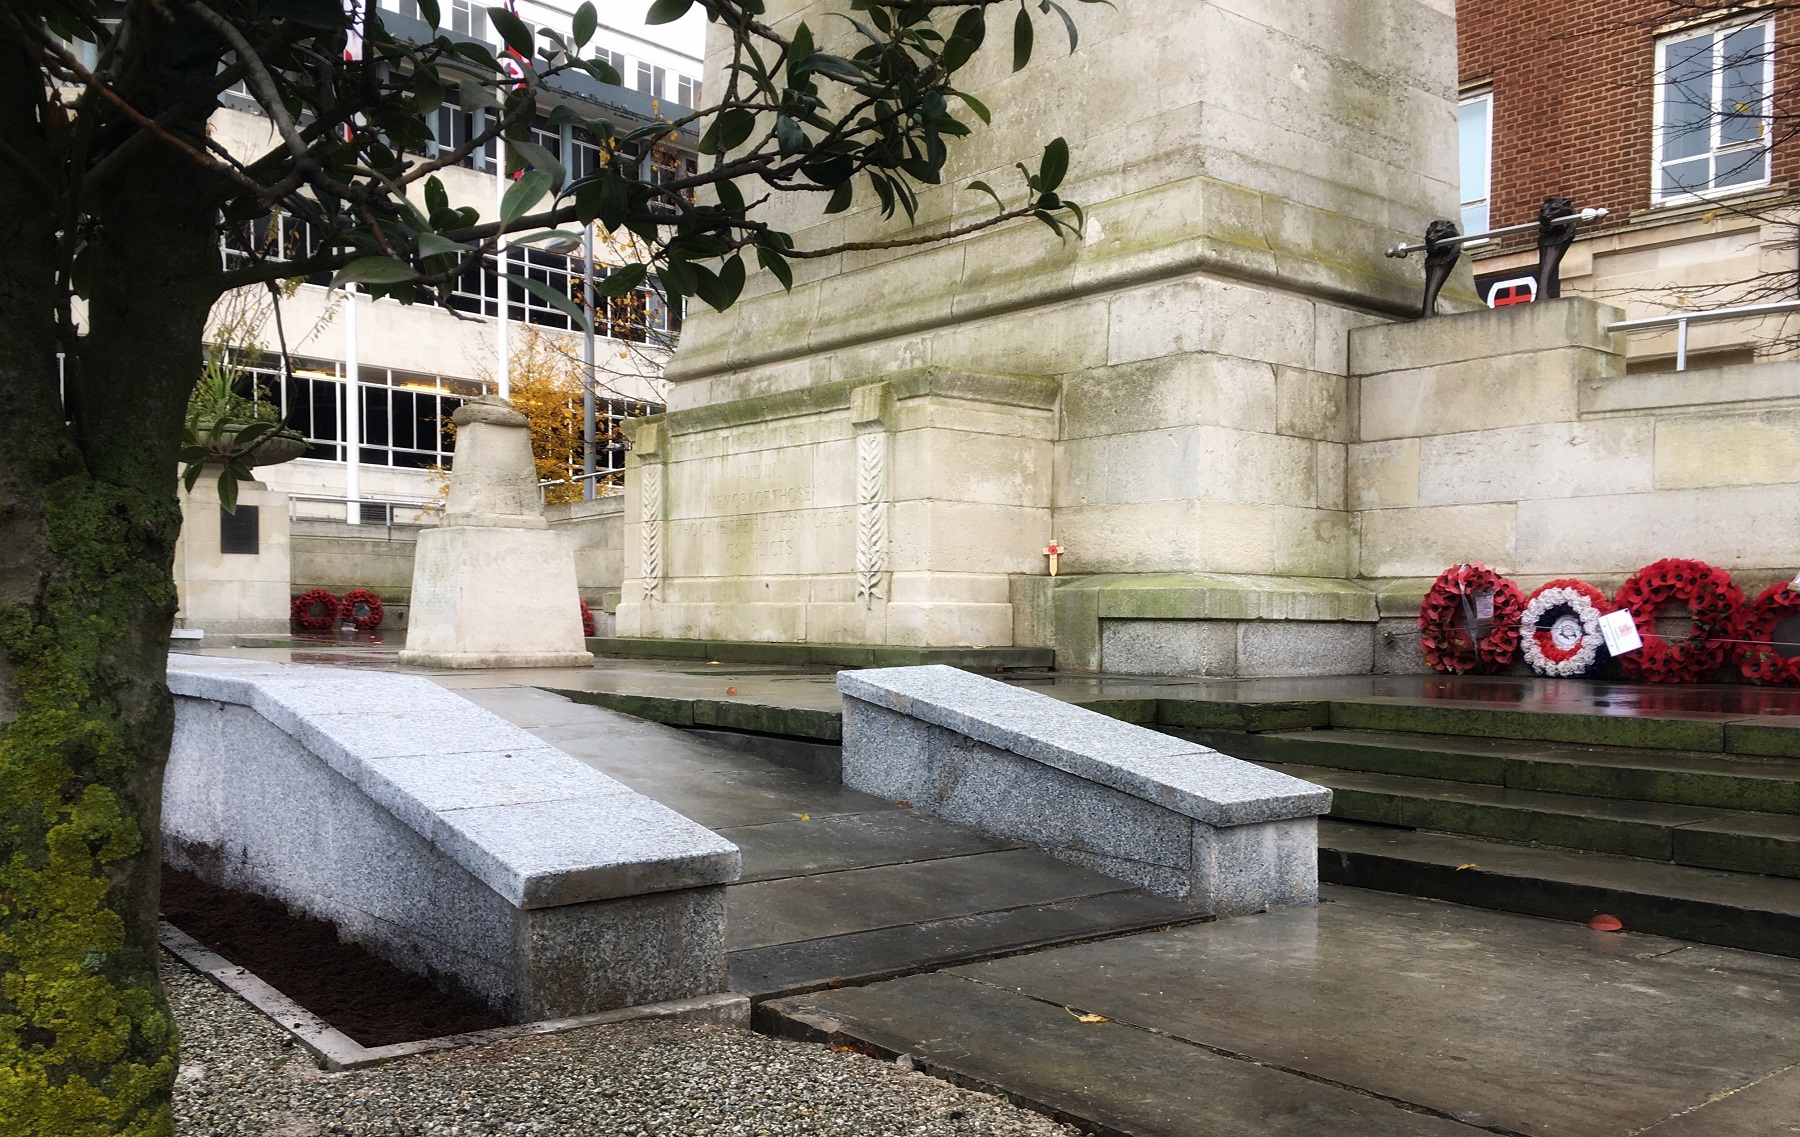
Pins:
<point x="687" y="92"/>
<point x="1713" y="110"/>
<point x="650" y="79"/>
<point x="1475" y="139"/>
<point x="467" y="18"/>
<point x="609" y="438"/>
<point x="615" y="58"/>
<point x="403" y="414"/>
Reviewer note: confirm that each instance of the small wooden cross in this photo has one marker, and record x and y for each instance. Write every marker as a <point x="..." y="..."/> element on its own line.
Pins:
<point x="1053" y="551"/>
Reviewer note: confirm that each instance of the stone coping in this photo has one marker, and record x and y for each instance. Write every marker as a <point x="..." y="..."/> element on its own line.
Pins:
<point x="1184" y="777"/>
<point x="821" y="654"/>
<point x="538" y="826"/>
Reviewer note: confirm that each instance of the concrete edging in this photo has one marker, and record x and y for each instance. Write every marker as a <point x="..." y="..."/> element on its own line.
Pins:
<point x="336" y="1051"/>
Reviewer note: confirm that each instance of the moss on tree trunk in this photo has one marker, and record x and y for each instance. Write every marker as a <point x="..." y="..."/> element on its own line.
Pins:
<point x="88" y="521"/>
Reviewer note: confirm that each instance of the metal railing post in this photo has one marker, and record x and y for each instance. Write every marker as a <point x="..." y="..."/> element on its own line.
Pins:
<point x="1681" y="327"/>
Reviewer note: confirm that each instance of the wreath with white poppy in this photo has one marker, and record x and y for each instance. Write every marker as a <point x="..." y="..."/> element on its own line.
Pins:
<point x="1559" y="631"/>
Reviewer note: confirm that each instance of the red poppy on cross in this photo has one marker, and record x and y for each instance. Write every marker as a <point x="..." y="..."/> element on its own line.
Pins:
<point x="1053" y="551"/>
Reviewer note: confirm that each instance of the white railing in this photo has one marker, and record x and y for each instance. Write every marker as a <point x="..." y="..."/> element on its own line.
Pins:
<point x="1680" y="321"/>
<point x="1585" y="216"/>
<point x="388" y="505"/>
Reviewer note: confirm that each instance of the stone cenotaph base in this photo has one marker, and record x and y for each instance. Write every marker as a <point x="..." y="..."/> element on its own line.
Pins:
<point x="493" y="586"/>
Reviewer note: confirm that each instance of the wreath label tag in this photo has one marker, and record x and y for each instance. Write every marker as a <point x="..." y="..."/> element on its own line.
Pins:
<point x="1621" y="632"/>
<point x="1484" y="604"/>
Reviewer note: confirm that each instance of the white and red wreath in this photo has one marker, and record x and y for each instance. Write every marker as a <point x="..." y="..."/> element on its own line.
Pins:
<point x="1559" y="631"/>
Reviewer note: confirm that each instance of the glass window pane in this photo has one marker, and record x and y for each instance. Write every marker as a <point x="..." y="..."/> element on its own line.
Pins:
<point x="1472" y="137"/>
<point x="1687" y="98"/>
<point x="1741" y="167"/>
<point x="1741" y="88"/>
<point x="1686" y="177"/>
<point x="1475" y="218"/>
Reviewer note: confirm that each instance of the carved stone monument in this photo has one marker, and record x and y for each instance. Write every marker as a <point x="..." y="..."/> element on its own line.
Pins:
<point x="493" y="585"/>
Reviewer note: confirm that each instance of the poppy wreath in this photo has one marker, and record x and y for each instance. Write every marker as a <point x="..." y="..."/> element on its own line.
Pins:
<point x="315" y="610"/>
<point x="1448" y="623"/>
<point x="587" y="619"/>
<point x="1559" y="632"/>
<point x="1756" y="656"/>
<point x="1717" y="606"/>
<point x="362" y="608"/>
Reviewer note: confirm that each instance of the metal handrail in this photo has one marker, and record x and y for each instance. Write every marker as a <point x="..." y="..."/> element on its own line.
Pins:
<point x="1586" y="215"/>
<point x="1681" y="320"/>
<point x="391" y="502"/>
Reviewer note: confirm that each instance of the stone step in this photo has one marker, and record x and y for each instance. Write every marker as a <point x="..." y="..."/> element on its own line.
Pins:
<point x="1728" y="909"/>
<point x="1697" y="836"/>
<point x="1765" y="785"/>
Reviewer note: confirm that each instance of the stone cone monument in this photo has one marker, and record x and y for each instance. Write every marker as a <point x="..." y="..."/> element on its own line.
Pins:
<point x="493" y="586"/>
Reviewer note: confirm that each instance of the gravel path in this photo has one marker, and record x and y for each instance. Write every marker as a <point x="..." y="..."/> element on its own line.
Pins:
<point x="242" y="1077"/>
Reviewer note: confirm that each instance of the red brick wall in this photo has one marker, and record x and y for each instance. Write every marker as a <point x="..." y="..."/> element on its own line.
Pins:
<point x="1573" y="97"/>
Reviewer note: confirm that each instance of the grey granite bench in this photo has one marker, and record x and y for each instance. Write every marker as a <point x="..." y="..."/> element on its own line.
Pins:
<point x="442" y="837"/>
<point x="1168" y="815"/>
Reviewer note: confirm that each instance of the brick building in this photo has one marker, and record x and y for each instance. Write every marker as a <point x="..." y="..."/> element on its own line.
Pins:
<point x="1676" y="117"/>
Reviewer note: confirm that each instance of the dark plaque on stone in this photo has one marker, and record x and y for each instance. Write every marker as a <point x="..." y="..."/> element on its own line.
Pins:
<point x="239" y="532"/>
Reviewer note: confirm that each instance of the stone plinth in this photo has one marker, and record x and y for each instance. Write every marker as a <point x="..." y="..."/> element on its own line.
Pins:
<point x="443" y="838"/>
<point x="493" y="585"/>
<point x="1165" y="814"/>
<point x="232" y="570"/>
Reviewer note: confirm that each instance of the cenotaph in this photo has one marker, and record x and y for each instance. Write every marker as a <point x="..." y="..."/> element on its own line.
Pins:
<point x="1219" y="407"/>
<point x="493" y="585"/>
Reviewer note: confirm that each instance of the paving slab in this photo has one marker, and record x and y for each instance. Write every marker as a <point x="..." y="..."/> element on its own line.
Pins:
<point x="1129" y="1080"/>
<point x="1527" y="1025"/>
<point x="860" y="957"/>
<point x="853" y="841"/>
<point x="832" y="904"/>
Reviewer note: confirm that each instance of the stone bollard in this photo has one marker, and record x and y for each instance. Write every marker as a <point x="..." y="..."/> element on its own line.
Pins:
<point x="493" y="585"/>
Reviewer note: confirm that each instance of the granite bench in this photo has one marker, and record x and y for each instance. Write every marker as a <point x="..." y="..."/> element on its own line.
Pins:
<point x="1167" y="815"/>
<point x="442" y="837"/>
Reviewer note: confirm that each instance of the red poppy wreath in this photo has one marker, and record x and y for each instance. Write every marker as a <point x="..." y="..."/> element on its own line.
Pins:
<point x="1716" y="604"/>
<point x="1777" y="608"/>
<point x="1450" y="621"/>
<point x="362" y="608"/>
<point x="315" y="610"/>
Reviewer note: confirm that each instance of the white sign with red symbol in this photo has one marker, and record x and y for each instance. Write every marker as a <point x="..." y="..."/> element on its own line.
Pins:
<point x="1518" y="290"/>
<point x="1621" y="632"/>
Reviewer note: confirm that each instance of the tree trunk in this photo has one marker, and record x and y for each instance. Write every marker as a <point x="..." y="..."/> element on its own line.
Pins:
<point x="88" y="521"/>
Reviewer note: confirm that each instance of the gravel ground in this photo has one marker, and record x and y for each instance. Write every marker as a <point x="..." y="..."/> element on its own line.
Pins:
<point x="243" y="1077"/>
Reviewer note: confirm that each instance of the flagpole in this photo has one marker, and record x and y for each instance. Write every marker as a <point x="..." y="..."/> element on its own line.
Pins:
<point x="503" y="365"/>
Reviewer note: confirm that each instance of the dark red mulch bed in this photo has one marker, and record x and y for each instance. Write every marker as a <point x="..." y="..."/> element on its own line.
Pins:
<point x="357" y="992"/>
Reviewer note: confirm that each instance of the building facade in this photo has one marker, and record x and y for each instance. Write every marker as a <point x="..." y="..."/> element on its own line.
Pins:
<point x="412" y="365"/>
<point x="1677" y="118"/>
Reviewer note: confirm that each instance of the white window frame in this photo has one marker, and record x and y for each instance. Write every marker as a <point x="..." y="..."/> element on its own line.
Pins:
<point x="1718" y="32"/>
<point x="1486" y="95"/>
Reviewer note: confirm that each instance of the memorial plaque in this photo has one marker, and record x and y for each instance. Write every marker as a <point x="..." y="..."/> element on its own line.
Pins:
<point x="240" y="532"/>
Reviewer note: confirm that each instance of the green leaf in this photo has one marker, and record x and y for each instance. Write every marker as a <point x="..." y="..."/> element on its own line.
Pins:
<point x="730" y="197"/>
<point x="586" y="20"/>
<point x="430" y="13"/>
<point x="1054" y="165"/>
<point x="776" y="264"/>
<point x="1068" y="21"/>
<point x="427" y="90"/>
<point x="602" y="71"/>
<point x="374" y="270"/>
<point x="677" y="276"/>
<point x="512" y="30"/>
<point x="989" y="190"/>
<point x="976" y="105"/>
<point x="538" y="158"/>
<point x="523" y="194"/>
<point x="621" y="280"/>
<point x="841" y="197"/>
<point x="471" y="95"/>
<point x="228" y="490"/>
<point x="735" y="127"/>
<point x="793" y="140"/>
<point x="965" y="39"/>
<point x="834" y="65"/>
<point x="667" y="11"/>
<point x="798" y="53"/>
<point x="550" y="295"/>
<point x="432" y="245"/>
<point x="1021" y="40"/>
<point x="436" y="197"/>
<point x="731" y="282"/>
